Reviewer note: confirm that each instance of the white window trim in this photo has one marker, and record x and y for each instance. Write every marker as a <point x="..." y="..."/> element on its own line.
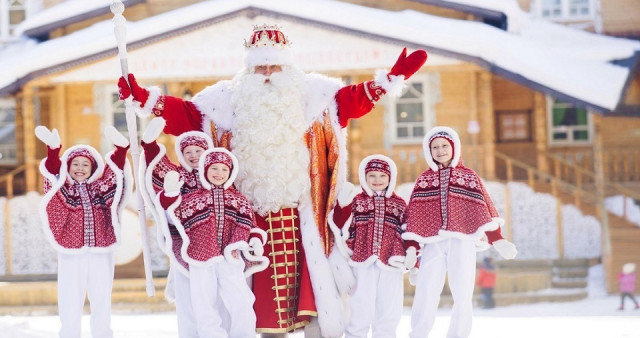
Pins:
<point x="29" y="6"/>
<point x="565" y="10"/>
<point x="104" y="107"/>
<point x="550" y="129"/>
<point x="430" y="96"/>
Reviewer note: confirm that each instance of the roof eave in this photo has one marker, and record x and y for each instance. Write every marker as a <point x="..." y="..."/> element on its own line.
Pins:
<point x="39" y="31"/>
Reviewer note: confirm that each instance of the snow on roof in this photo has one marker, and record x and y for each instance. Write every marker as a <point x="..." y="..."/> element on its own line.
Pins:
<point x="559" y="58"/>
<point x="62" y="12"/>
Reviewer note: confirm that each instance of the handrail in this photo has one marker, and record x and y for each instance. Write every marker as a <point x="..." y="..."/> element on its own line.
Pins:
<point x="576" y="191"/>
<point x="13" y="172"/>
<point x="617" y="187"/>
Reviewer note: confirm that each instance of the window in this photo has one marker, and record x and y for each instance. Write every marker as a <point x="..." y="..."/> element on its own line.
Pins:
<point x="514" y="126"/>
<point x="569" y="124"/>
<point x="12" y="13"/>
<point x="8" y="132"/>
<point x="112" y="110"/>
<point x="412" y="114"/>
<point x="566" y="9"/>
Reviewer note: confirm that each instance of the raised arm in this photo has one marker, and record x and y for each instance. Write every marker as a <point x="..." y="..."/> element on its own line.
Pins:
<point x="52" y="140"/>
<point x="181" y="115"/>
<point x="357" y="100"/>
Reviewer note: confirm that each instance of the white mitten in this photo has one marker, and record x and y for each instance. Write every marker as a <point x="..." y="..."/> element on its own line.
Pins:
<point x="347" y="193"/>
<point x="50" y="138"/>
<point x="505" y="248"/>
<point x="153" y="130"/>
<point x="256" y="245"/>
<point x="115" y="137"/>
<point x="172" y="183"/>
<point x="411" y="258"/>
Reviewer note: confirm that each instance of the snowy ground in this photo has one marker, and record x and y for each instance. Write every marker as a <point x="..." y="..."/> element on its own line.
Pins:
<point x="595" y="317"/>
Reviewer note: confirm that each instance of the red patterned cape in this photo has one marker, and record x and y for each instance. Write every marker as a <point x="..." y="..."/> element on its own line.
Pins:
<point x="62" y="209"/>
<point x="375" y="231"/>
<point x="154" y="165"/>
<point x="450" y="202"/>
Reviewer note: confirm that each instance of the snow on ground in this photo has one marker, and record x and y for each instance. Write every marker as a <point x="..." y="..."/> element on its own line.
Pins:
<point x="594" y="317"/>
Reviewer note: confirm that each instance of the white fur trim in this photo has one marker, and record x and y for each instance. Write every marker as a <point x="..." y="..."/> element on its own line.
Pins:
<point x="214" y="102"/>
<point x="164" y="236"/>
<point x="392" y="178"/>
<point x="444" y="234"/>
<point x="262" y="261"/>
<point x="328" y="302"/>
<point x="457" y="145"/>
<point x="203" y="174"/>
<point x="147" y="109"/>
<point x="392" y="84"/>
<point x="262" y="233"/>
<point x="321" y="93"/>
<point x="340" y="235"/>
<point x="64" y="170"/>
<point x="185" y="239"/>
<point x="342" y="273"/>
<point x="264" y="55"/>
<point x="181" y="138"/>
<point x="228" y="252"/>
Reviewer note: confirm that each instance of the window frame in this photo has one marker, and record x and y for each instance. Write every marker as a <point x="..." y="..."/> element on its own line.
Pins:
<point x="570" y="142"/>
<point x="529" y="116"/>
<point x="106" y="107"/>
<point x="565" y="11"/>
<point x="428" y="121"/>
<point x="6" y="28"/>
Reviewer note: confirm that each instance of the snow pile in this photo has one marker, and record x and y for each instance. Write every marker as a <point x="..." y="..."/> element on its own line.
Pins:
<point x="617" y="205"/>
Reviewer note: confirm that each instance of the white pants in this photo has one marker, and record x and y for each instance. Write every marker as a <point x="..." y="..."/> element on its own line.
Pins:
<point x="458" y="258"/>
<point x="184" y="311"/>
<point x="226" y="282"/>
<point x="376" y="302"/>
<point x="80" y="275"/>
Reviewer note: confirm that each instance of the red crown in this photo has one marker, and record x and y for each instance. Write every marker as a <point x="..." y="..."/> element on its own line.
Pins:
<point x="267" y="36"/>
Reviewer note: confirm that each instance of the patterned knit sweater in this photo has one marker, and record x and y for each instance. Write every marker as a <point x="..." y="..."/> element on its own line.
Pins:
<point x="451" y="202"/>
<point x="80" y="217"/>
<point x="375" y="230"/>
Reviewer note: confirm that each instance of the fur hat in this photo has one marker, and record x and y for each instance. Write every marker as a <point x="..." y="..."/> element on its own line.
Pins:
<point x="97" y="164"/>
<point x="191" y="138"/>
<point x="449" y="135"/>
<point x="217" y="155"/>
<point x="83" y="152"/>
<point x="378" y="163"/>
<point x="267" y="46"/>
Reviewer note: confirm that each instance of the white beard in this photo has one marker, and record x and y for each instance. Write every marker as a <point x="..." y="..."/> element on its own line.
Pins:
<point x="268" y="140"/>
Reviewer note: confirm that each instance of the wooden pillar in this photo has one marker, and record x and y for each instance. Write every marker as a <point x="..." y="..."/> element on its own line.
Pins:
<point x="28" y="115"/>
<point x="59" y="112"/>
<point x="487" y="123"/>
<point x="473" y="118"/>
<point x="540" y="130"/>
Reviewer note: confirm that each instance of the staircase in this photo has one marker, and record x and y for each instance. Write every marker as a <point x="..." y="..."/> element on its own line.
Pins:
<point x="573" y="184"/>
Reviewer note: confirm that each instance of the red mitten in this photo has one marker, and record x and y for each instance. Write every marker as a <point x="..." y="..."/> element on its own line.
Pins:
<point x="408" y="65"/>
<point x="125" y="89"/>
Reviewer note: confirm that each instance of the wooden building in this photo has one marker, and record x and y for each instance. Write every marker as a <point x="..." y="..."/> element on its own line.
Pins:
<point x="515" y="125"/>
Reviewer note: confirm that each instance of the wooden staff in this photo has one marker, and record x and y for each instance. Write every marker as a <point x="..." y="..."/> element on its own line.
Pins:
<point x="117" y="7"/>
